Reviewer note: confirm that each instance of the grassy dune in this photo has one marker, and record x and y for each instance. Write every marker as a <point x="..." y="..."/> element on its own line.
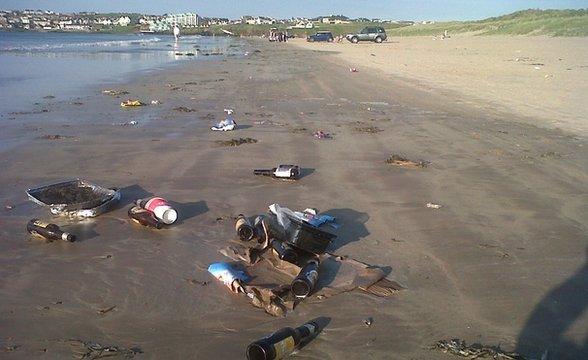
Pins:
<point x="526" y="22"/>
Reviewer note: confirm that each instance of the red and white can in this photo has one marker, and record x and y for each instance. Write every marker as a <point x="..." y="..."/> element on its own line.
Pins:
<point x="161" y="208"/>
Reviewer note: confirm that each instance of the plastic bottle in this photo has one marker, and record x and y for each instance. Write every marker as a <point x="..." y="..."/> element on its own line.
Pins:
<point x="306" y="280"/>
<point x="281" y="343"/>
<point x="160" y="207"/>
<point x="244" y="228"/>
<point x="144" y="217"/>
<point x="48" y="231"/>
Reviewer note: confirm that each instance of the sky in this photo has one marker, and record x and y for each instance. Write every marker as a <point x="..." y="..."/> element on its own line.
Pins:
<point x="382" y="9"/>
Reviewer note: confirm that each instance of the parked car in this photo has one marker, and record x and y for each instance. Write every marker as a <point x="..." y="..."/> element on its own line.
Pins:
<point x="321" y="36"/>
<point x="370" y="33"/>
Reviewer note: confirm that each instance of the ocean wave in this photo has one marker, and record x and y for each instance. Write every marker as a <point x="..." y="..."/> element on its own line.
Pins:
<point x="64" y="46"/>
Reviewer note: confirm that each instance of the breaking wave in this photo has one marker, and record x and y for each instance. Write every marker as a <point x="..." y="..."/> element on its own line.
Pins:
<point x="75" y="45"/>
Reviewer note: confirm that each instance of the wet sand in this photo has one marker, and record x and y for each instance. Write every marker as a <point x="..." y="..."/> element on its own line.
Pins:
<point x="502" y="262"/>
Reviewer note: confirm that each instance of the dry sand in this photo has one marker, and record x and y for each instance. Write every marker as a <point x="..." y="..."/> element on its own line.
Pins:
<point x="502" y="262"/>
<point x="542" y="78"/>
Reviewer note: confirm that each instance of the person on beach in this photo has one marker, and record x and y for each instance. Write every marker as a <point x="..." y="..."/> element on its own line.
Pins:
<point x="176" y="32"/>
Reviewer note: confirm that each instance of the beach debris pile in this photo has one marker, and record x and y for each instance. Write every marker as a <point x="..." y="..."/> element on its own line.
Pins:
<point x="399" y="160"/>
<point x="153" y="212"/>
<point x="92" y="350"/>
<point x="236" y="142"/>
<point x="292" y="245"/>
<point x="131" y="103"/>
<point x="475" y="351"/>
<point x="228" y="124"/>
<point x="283" y="172"/>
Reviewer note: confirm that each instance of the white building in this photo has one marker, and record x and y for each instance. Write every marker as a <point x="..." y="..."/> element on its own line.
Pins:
<point x="302" y="25"/>
<point x="159" y="26"/>
<point x="123" y="21"/>
<point x="258" y="20"/>
<point x="103" y="21"/>
<point x="183" y="20"/>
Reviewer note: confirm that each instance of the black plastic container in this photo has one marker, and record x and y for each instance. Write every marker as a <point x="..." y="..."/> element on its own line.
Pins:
<point x="307" y="237"/>
<point x="285" y="252"/>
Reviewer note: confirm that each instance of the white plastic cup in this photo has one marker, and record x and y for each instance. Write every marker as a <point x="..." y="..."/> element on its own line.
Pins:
<point x="162" y="210"/>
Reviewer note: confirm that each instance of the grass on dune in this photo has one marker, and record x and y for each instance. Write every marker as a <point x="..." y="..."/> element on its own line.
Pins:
<point x="526" y="22"/>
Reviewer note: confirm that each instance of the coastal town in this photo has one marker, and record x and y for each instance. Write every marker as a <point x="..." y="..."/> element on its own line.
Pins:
<point x="44" y="20"/>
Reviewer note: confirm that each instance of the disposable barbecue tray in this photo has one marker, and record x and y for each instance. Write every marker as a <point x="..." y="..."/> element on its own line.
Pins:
<point x="75" y="197"/>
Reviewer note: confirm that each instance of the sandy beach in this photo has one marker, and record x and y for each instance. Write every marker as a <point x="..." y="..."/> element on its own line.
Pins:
<point x="502" y="262"/>
<point x="544" y="79"/>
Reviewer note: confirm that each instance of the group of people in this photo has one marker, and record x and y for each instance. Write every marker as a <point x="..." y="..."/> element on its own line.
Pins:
<point x="279" y="36"/>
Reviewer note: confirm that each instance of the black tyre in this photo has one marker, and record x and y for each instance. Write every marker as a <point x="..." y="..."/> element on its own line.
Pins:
<point x="378" y="39"/>
<point x="354" y="40"/>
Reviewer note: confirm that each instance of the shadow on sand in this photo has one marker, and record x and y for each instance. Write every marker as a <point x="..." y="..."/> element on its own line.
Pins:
<point x="553" y="316"/>
<point x="352" y="227"/>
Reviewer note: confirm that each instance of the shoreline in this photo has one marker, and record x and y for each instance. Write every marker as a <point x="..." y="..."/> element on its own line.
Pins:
<point x="511" y="193"/>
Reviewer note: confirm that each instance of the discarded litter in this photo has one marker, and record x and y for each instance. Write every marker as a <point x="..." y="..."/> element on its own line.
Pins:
<point x="160" y="208"/>
<point x="299" y="231"/>
<point x="155" y="102"/>
<point x="115" y="92"/>
<point x="48" y="231"/>
<point x="226" y="125"/>
<point x="368" y="321"/>
<point x="433" y="206"/>
<point x="399" y="160"/>
<point x="284" y="251"/>
<point x="306" y="280"/>
<point x="289" y="172"/>
<point x="281" y="343"/>
<point x="320" y="134"/>
<point x="128" y="123"/>
<point x="106" y="310"/>
<point x="131" y="103"/>
<point x="292" y="243"/>
<point x="236" y="142"/>
<point x="244" y="228"/>
<point x="144" y="217"/>
<point x="228" y="275"/>
<point x="353" y="69"/>
<point x="474" y="351"/>
<point x="75" y="198"/>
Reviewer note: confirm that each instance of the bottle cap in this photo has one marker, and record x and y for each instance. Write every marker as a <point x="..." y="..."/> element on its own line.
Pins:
<point x="170" y="216"/>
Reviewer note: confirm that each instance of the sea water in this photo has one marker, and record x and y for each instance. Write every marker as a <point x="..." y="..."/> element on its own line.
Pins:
<point x="36" y="65"/>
